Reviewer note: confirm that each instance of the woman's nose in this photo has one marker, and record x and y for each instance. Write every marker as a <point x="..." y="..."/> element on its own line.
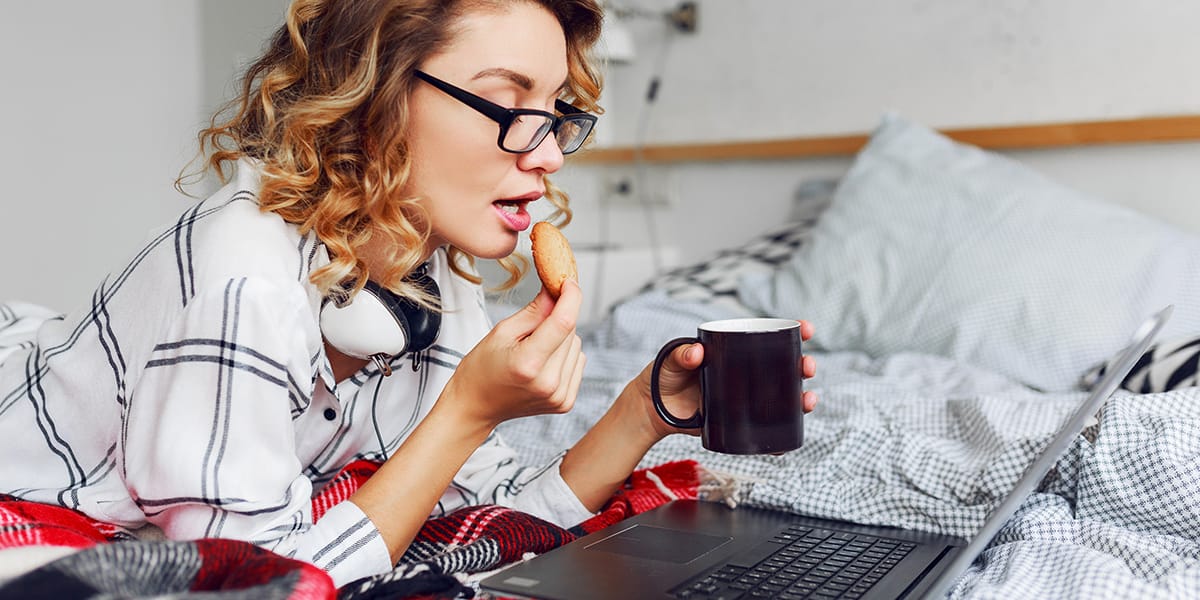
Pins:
<point x="547" y="156"/>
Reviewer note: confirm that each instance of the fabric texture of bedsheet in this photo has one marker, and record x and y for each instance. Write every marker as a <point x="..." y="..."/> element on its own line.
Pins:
<point x="922" y="441"/>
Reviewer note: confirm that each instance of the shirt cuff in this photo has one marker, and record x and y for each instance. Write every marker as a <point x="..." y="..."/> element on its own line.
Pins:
<point x="549" y="497"/>
<point x="346" y="544"/>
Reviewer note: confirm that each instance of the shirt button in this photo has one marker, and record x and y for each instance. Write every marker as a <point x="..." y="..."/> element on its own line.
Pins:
<point x="330" y="414"/>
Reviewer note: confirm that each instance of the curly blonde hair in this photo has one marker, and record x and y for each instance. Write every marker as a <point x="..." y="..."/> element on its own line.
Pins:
<point x="324" y="109"/>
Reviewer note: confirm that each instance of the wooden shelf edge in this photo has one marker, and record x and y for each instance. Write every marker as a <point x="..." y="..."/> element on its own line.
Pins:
<point x="1045" y="135"/>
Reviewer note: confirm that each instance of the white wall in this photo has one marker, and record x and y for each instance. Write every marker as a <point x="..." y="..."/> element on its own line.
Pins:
<point x="766" y="69"/>
<point x="233" y="34"/>
<point x="103" y="101"/>
<point x="780" y="68"/>
<point x="100" y="104"/>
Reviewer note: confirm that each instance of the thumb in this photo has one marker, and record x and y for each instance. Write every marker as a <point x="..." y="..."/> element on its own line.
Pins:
<point x="679" y="367"/>
<point x="532" y="314"/>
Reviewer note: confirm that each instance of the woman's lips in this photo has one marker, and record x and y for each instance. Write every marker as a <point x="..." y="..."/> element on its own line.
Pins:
<point x="512" y="210"/>
<point x="513" y="213"/>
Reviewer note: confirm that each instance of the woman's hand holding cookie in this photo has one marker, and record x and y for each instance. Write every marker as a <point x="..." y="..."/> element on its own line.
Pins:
<point x="531" y="362"/>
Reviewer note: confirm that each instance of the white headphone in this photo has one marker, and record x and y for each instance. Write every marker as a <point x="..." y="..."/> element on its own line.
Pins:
<point x="378" y="324"/>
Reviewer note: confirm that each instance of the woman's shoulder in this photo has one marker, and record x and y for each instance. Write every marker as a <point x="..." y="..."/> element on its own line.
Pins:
<point x="232" y="216"/>
<point x="228" y="236"/>
<point x="221" y="239"/>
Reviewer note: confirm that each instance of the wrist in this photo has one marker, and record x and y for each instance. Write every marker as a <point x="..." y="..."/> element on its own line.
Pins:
<point x="452" y="410"/>
<point x="635" y="411"/>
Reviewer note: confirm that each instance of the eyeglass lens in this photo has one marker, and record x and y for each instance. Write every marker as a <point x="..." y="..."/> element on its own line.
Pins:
<point x="571" y="134"/>
<point x="526" y="132"/>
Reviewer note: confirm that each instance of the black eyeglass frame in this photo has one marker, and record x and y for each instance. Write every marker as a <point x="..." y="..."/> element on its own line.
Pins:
<point x="504" y="116"/>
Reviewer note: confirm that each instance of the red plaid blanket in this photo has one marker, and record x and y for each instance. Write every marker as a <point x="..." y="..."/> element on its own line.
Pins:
<point x="471" y="540"/>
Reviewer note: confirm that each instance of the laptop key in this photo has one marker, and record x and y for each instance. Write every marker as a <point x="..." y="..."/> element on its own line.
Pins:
<point x="841" y="580"/>
<point x="822" y="564"/>
<point x="728" y="573"/>
<point x="750" y="580"/>
<point x="756" y="554"/>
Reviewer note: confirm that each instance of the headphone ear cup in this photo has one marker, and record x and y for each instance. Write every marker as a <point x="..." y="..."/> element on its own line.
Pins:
<point x="377" y="321"/>
<point x="423" y="325"/>
<point x="363" y="327"/>
<point x="420" y="325"/>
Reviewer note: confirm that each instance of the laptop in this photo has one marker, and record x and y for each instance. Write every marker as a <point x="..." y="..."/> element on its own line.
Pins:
<point x="694" y="549"/>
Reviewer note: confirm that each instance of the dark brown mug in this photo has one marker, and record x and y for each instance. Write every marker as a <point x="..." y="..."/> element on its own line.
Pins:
<point x="750" y="386"/>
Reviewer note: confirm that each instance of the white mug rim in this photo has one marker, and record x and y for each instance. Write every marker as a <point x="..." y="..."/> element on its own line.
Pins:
<point x="749" y="325"/>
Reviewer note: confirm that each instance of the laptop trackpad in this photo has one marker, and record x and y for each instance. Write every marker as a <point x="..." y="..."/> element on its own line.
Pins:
<point x="657" y="543"/>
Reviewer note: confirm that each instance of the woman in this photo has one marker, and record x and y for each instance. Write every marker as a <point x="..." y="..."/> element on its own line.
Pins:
<point x="208" y="391"/>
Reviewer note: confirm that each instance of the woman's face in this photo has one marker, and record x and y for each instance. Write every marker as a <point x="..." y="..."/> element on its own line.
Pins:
<point x="475" y="193"/>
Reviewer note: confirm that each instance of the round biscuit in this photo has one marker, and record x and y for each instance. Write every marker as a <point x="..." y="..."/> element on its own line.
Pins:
<point x="552" y="257"/>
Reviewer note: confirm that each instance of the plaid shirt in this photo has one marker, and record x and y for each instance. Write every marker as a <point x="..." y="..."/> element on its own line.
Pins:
<point x="192" y="392"/>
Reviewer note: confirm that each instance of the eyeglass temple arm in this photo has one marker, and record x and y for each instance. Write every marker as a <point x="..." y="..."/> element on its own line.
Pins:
<point x="493" y="111"/>
<point x="567" y="109"/>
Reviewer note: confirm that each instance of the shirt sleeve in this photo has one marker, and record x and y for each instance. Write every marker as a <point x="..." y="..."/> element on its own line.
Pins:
<point x="493" y="475"/>
<point x="209" y="445"/>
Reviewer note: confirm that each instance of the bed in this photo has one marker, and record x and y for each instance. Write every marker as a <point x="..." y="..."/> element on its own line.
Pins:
<point x="963" y="305"/>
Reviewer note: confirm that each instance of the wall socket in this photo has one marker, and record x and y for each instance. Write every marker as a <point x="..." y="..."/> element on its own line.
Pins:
<point x="649" y="185"/>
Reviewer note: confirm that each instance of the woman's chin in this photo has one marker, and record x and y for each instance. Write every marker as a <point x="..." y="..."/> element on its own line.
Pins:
<point x="492" y="251"/>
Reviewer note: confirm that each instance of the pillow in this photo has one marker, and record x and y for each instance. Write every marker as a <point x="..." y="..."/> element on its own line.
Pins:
<point x="938" y="247"/>
<point x="715" y="279"/>
<point x="1171" y="365"/>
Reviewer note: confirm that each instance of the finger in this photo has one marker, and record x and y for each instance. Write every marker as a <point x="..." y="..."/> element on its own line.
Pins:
<point x="808" y="367"/>
<point x="560" y="322"/>
<point x="567" y="359"/>
<point x="550" y="371"/>
<point x="567" y="368"/>
<point x="554" y="370"/>
<point x="521" y="323"/>
<point x="809" y="400"/>
<point x="575" y="382"/>
<point x="686" y="357"/>
<point x="679" y="370"/>
<point x="806" y="330"/>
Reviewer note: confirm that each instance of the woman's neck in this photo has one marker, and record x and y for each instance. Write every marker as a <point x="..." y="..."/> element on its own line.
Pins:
<point x="343" y="364"/>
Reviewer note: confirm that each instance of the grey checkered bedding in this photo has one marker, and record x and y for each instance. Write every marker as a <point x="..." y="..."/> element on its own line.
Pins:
<point x="921" y="441"/>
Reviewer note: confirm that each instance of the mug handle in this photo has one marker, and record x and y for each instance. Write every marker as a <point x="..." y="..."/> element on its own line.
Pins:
<point x="693" y="422"/>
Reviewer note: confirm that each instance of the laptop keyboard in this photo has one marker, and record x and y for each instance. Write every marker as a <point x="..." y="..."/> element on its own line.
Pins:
<point x="801" y="562"/>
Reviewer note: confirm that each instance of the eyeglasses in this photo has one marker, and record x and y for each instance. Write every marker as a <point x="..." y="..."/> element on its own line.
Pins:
<point x="523" y="129"/>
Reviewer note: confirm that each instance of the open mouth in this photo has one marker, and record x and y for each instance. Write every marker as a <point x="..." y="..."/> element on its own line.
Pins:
<point x="513" y="213"/>
<point x="511" y="206"/>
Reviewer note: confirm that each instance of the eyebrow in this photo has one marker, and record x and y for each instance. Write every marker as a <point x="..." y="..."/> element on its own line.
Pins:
<point x="520" y="79"/>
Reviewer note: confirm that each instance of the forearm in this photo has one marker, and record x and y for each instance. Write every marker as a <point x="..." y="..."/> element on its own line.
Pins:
<point x="399" y="497"/>
<point x="603" y="459"/>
